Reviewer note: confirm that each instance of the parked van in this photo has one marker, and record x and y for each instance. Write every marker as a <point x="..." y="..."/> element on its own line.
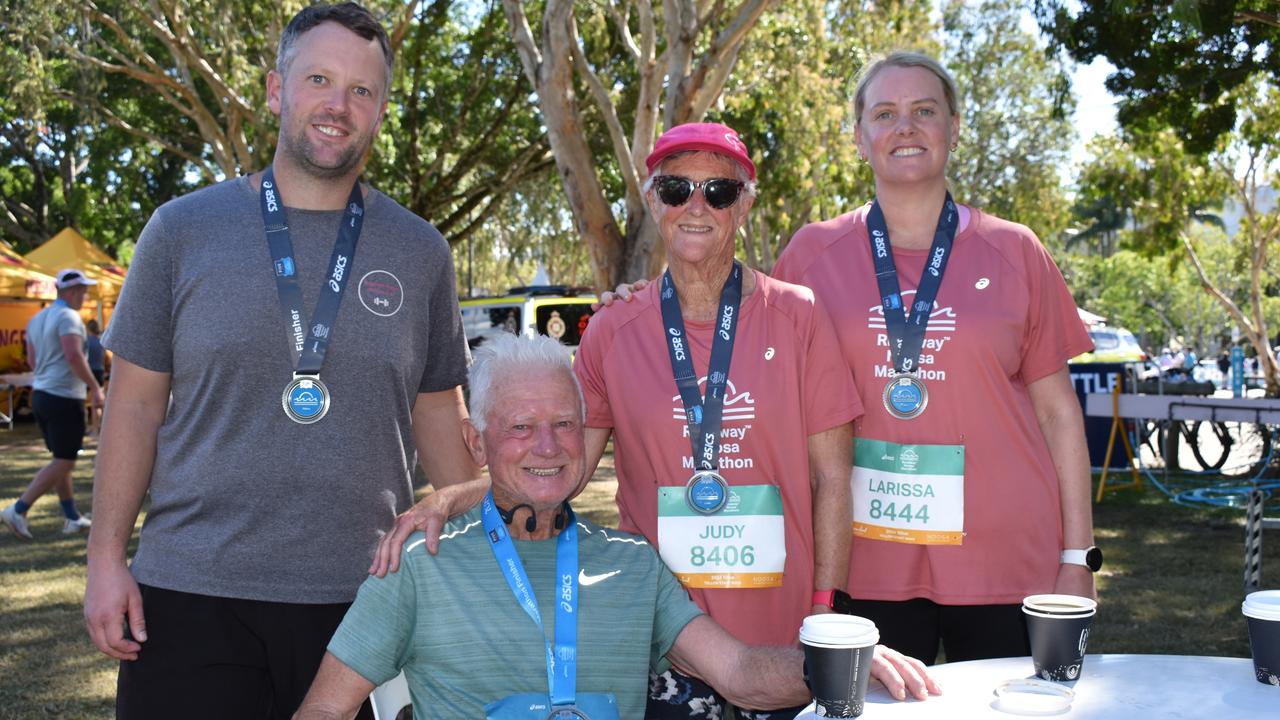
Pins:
<point x="556" y="311"/>
<point x="1110" y="345"/>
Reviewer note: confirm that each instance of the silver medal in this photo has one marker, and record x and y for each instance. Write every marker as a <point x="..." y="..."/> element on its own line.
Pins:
<point x="305" y="399"/>
<point x="905" y="396"/>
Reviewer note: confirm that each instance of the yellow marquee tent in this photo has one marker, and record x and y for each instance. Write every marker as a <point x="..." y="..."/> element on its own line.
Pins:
<point x="20" y="278"/>
<point x="70" y="249"/>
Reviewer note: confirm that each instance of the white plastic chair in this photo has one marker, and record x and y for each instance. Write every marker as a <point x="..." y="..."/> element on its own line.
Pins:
<point x="389" y="698"/>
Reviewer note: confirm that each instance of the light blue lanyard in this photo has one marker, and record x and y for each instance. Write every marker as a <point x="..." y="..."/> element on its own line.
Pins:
<point x="562" y="664"/>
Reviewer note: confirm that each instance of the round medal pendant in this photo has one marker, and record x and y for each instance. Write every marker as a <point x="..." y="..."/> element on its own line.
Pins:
<point x="905" y="396"/>
<point x="706" y="492"/>
<point x="567" y="713"/>
<point x="305" y="400"/>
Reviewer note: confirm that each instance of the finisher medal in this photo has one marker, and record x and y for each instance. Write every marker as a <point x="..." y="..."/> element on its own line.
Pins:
<point x="706" y="492"/>
<point x="567" y="714"/>
<point x="905" y="396"/>
<point x="306" y="399"/>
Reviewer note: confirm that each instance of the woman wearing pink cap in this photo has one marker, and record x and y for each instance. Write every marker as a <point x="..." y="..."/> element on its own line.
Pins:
<point x="971" y="475"/>
<point x="731" y="412"/>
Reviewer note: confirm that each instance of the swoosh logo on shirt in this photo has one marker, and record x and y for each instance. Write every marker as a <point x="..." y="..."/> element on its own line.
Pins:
<point x="585" y="579"/>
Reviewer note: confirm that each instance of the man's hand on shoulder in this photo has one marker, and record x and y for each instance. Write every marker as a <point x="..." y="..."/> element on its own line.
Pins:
<point x="429" y="516"/>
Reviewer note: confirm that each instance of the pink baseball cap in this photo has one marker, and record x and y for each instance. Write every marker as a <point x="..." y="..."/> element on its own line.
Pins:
<point x="709" y="137"/>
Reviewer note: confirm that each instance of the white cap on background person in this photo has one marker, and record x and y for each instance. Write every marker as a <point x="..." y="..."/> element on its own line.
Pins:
<point x="72" y="277"/>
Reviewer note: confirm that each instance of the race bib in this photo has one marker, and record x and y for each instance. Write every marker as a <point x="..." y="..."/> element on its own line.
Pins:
<point x="908" y="493"/>
<point x="741" y="546"/>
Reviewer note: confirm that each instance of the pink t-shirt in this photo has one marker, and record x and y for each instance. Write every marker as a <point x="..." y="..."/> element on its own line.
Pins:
<point x="786" y="382"/>
<point x="1003" y="318"/>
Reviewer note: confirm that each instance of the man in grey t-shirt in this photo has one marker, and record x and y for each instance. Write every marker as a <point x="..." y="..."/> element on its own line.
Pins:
<point x="269" y="390"/>
<point x="62" y="381"/>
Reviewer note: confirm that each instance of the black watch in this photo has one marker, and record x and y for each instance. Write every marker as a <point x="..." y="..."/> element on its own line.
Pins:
<point x="1090" y="557"/>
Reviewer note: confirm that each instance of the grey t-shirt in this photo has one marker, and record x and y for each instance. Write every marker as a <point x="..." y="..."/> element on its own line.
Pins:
<point x="246" y="503"/>
<point x="52" y="371"/>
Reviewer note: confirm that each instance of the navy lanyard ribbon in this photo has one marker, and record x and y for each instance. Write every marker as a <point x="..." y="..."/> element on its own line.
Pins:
<point x="906" y="333"/>
<point x="703" y="415"/>
<point x="309" y="344"/>
<point x="562" y="663"/>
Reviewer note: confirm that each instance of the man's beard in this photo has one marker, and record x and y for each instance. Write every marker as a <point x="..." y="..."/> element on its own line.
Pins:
<point x="300" y="148"/>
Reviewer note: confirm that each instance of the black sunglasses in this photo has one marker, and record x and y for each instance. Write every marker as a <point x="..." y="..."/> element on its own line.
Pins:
<point x="719" y="193"/>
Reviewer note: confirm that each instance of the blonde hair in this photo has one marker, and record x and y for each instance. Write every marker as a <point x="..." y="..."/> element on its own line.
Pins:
<point x="904" y="59"/>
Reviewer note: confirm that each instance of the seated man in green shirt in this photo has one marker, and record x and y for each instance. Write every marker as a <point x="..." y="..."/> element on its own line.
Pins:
<point x="528" y="609"/>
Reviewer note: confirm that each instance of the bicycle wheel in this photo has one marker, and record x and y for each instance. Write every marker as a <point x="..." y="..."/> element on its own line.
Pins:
<point x="1210" y="442"/>
<point x="1251" y="449"/>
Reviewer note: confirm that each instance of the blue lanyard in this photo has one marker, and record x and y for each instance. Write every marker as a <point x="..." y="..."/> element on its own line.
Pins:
<point x="309" y="344"/>
<point x="906" y="333"/>
<point x="703" y="414"/>
<point x="562" y="664"/>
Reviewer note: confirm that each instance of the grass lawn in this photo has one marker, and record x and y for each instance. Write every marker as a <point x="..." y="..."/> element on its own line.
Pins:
<point x="1172" y="584"/>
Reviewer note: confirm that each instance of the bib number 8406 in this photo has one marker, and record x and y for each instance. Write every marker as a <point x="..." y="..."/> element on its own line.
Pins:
<point x="726" y="555"/>
<point x="879" y="510"/>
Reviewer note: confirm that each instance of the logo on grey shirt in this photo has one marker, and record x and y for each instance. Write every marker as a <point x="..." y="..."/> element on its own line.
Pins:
<point x="381" y="293"/>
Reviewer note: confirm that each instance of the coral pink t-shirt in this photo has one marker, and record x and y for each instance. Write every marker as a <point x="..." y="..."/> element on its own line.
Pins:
<point x="1003" y="319"/>
<point x="787" y="381"/>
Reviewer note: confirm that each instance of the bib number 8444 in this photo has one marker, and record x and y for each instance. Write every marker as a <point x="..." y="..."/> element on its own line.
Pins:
<point x="726" y="555"/>
<point x="879" y="510"/>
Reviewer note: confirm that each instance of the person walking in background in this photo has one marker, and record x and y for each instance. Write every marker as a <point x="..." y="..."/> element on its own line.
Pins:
<point x="97" y="356"/>
<point x="55" y="350"/>
<point x="270" y="386"/>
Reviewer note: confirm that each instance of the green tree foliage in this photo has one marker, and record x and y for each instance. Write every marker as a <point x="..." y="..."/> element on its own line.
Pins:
<point x="154" y="97"/>
<point x="1016" y="130"/>
<point x="791" y="97"/>
<point x="637" y="68"/>
<point x="1178" y="61"/>
<point x="1158" y="298"/>
<point x="1171" y="197"/>
<point x="460" y="136"/>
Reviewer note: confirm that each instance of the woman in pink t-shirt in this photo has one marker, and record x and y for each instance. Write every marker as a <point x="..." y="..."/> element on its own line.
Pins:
<point x="737" y="472"/>
<point x="971" y="477"/>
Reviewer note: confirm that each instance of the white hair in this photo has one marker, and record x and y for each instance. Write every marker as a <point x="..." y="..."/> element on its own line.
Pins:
<point x="507" y="358"/>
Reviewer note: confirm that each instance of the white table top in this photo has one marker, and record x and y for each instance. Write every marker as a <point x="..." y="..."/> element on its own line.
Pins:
<point x="17" y="379"/>
<point x="1111" y="687"/>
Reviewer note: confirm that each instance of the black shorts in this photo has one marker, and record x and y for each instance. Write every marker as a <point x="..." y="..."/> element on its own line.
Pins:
<point x="918" y="626"/>
<point x="61" y="422"/>
<point x="219" y="658"/>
